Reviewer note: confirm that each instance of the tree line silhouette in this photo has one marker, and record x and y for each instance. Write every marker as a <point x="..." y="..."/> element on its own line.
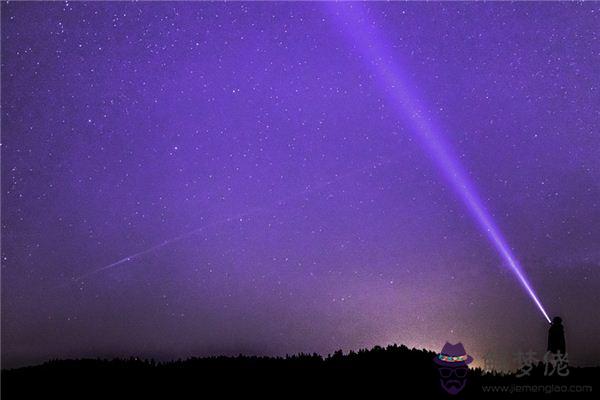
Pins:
<point x="391" y="371"/>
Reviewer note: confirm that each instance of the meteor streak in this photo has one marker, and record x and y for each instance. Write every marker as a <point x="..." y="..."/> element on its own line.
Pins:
<point x="367" y="42"/>
<point x="155" y="247"/>
<point x="253" y="211"/>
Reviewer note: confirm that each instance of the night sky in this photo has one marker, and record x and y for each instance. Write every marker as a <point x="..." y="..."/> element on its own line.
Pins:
<point x="186" y="179"/>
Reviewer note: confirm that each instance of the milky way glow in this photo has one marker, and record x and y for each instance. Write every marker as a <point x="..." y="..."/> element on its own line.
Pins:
<point x="355" y="22"/>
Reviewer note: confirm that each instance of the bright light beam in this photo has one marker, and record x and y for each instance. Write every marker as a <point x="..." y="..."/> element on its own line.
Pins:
<point x="354" y="22"/>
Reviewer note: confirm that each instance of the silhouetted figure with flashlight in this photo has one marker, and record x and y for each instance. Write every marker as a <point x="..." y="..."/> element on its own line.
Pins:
<point x="556" y="337"/>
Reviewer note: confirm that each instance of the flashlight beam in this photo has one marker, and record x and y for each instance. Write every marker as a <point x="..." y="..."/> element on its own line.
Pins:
<point x="366" y="39"/>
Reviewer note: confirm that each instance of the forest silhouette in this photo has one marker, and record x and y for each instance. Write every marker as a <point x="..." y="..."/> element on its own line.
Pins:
<point x="395" y="371"/>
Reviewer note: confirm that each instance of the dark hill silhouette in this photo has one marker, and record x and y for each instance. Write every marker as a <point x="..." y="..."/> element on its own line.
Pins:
<point x="395" y="371"/>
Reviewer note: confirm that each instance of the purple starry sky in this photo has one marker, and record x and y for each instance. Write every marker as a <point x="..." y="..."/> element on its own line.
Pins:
<point x="187" y="179"/>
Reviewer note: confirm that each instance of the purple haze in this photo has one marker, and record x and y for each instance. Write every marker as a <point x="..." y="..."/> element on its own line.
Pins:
<point x="184" y="178"/>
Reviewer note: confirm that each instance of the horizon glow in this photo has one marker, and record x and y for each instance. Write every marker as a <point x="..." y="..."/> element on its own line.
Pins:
<point x="367" y="41"/>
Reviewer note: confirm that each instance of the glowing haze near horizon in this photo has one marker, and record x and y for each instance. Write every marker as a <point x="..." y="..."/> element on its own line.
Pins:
<point x="187" y="179"/>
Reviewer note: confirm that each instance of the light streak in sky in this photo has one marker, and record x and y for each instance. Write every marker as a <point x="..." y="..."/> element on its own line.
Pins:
<point x="223" y="221"/>
<point x="354" y="21"/>
<point x="149" y="250"/>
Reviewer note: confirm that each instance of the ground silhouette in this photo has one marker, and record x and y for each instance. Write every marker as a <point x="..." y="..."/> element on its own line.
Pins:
<point x="395" y="371"/>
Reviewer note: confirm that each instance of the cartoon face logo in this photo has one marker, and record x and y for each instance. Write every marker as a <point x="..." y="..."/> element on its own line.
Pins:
<point x="452" y="365"/>
<point x="453" y="380"/>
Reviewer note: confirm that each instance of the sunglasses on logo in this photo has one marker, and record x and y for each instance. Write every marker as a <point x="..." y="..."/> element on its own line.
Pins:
<point x="448" y="372"/>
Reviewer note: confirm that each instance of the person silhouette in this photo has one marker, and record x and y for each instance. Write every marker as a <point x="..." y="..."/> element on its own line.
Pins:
<point x="556" y="337"/>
